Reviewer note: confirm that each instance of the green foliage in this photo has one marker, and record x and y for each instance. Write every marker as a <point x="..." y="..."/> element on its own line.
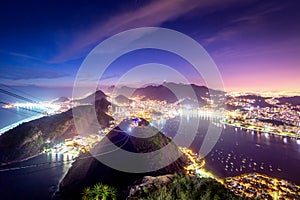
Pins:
<point x="99" y="192"/>
<point x="188" y="188"/>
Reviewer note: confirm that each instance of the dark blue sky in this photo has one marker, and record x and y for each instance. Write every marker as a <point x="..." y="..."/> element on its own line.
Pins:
<point x="255" y="44"/>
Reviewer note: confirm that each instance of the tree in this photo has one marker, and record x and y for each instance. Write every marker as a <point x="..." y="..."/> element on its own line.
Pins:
<point x="186" y="187"/>
<point x="99" y="192"/>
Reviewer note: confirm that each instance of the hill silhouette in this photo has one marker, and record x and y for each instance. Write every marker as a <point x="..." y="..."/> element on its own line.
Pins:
<point x="30" y="138"/>
<point x="172" y="92"/>
<point x="169" y="92"/>
<point x="122" y="99"/>
<point x="61" y="100"/>
<point x="294" y="101"/>
<point x="87" y="170"/>
<point x="92" y="98"/>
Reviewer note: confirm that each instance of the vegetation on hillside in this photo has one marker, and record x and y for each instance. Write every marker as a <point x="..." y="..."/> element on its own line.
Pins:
<point x="29" y="139"/>
<point x="185" y="187"/>
<point x="99" y="192"/>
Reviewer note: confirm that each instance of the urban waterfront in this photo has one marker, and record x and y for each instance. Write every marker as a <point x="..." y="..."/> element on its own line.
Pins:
<point x="237" y="152"/>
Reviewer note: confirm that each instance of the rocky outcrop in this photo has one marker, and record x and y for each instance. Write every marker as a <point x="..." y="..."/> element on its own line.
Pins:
<point x="148" y="184"/>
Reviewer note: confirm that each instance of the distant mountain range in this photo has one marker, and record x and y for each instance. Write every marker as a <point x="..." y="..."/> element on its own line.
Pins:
<point x="291" y="100"/>
<point x="61" y="100"/>
<point x="90" y="99"/>
<point x="261" y="101"/>
<point x="169" y="92"/>
<point x="185" y="94"/>
<point x="122" y="99"/>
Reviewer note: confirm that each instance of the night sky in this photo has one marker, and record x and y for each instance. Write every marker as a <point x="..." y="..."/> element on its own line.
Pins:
<point x="255" y="44"/>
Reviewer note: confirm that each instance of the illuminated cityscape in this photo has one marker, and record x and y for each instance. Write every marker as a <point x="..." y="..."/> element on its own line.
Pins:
<point x="158" y="99"/>
<point x="250" y="185"/>
<point x="261" y="186"/>
<point x="245" y="116"/>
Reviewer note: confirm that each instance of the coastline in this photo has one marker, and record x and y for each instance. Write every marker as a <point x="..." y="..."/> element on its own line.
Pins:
<point x="14" y="125"/>
<point x="21" y="160"/>
<point x="293" y="136"/>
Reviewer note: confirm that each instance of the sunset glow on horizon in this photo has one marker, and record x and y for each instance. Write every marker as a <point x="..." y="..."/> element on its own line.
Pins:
<point x="255" y="44"/>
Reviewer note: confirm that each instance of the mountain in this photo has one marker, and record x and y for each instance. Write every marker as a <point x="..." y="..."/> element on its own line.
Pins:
<point x="189" y="102"/>
<point x="160" y="93"/>
<point x="90" y="99"/>
<point x="122" y="99"/>
<point x="124" y="90"/>
<point x="87" y="170"/>
<point x="259" y="100"/>
<point x="61" y="100"/>
<point x="167" y="92"/>
<point x="294" y="101"/>
<point x="30" y="138"/>
<point x="86" y="123"/>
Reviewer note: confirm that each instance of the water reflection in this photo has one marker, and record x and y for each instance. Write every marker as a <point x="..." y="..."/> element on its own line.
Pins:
<point x="41" y="181"/>
<point x="240" y="153"/>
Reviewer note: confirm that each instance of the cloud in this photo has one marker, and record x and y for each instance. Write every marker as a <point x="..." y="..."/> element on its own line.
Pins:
<point x="110" y="77"/>
<point x="254" y="33"/>
<point x="87" y="77"/>
<point x="20" y="55"/>
<point x="23" y="73"/>
<point x="252" y="20"/>
<point x="281" y="47"/>
<point x="153" y="14"/>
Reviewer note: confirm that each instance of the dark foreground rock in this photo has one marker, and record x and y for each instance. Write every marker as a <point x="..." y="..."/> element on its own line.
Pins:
<point x="87" y="170"/>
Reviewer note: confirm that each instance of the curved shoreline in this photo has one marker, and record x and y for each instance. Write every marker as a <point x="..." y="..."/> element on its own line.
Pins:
<point x="294" y="136"/>
<point x="19" y="161"/>
<point x="14" y="125"/>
